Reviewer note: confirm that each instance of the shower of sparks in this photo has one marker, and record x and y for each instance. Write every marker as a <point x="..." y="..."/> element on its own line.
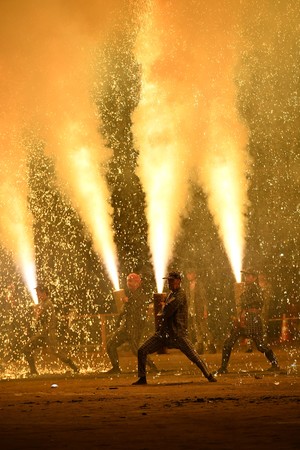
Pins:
<point x="187" y="121"/>
<point x="16" y="235"/>
<point x="228" y="216"/>
<point x="217" y="136"/>
<point x="90" y="192"/>
<point x="196" y="58"/>
<point x="74" y="140"/>
<point x="59" y="66"/>
<point x="223" y="176"/>
<point x="29" y="272"/>
<point x="16" y="221"/>
<point x="162" y="153"/>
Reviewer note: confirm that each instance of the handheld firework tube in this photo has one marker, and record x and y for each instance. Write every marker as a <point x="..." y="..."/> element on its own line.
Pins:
<point x="158" y="299"/>
<point x="118" y="295"/>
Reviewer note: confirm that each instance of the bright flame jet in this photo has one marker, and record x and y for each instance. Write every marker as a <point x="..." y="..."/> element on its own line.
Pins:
<point x="91" y="196"/>
<point x="46" y="82"/>
<point x="222" y="174"/>
<point x="225" y="191"/>
<point x="16" y="222"/>
<point x="162" y="167"/>
<point x="188" y="53"/>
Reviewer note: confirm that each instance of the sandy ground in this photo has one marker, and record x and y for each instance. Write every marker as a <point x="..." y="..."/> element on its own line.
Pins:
<point x="248" y="408"/>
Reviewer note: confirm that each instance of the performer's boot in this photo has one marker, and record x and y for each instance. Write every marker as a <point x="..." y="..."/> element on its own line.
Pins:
<point x="114" y="370"/>
<point x="273" y="360"/>
<point x="152" y="366"/>
<point x="211" y="378"/>
<point x="71" y="364"/>
<point x="140" y="381"/>
<point x="225" y="359"/>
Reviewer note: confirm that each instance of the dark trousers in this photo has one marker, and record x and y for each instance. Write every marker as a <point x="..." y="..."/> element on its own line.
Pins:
<point x="50" y="343"/>
<point x="238" y="332"/>
<point x="156" y="342"/>
<point x="115" y="340"/>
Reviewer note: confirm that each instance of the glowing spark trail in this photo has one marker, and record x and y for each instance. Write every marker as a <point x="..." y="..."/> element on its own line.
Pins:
<point x="187" y="122"/>
<point x="16" y="221"/>
<point x="47" y="82"/>
<point x="91" y="195"/>
<point x="162" y="153"/>
<point x="223" y="164"/>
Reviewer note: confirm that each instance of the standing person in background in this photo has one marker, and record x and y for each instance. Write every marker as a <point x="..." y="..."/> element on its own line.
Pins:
<point x="249" y="324"/>
<point x="199" y="331"/>
<point x="267" y="293"/>
<point x="9" y="323"/>
<point x="9" y="318"/>
<point x="130" y="323"/>
<point x="172" y="331"/>
<point x="45" y="332"/>
<point x="15" y="317"/>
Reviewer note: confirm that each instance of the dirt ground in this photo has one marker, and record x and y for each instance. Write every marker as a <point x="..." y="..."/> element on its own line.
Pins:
<point x="248" y="408"/>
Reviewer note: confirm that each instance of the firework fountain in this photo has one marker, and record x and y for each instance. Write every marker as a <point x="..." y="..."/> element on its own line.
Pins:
<point x="186" y="124"/>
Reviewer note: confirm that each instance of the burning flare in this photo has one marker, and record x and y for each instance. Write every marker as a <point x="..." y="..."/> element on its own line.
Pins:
<point x="187" y="124"/>
<point x="156" y="128"/>
<point x="46" y="81"/>
<point x="16" y="221"/>
<point x="90" y="195"/>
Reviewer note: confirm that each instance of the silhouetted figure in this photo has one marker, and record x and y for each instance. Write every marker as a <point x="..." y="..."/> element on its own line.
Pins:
<point x="172" y="331"/>
<point x="130" y="323"/>
<point x="45" y="334"/>
<point x="249" y="324"/>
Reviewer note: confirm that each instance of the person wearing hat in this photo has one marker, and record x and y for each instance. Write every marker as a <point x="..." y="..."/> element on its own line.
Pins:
<point x="249" y="324"/>
<point x="45" y="334"/>
<point x="172" y="331"/>
<point x="130" y="323"/>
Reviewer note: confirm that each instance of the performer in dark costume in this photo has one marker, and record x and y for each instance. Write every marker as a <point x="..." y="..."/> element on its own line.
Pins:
<point x="45" y="335"/>
<point x="172" y="331"/>
<point x="131" y="323"/>
<point x="249" y="324"/>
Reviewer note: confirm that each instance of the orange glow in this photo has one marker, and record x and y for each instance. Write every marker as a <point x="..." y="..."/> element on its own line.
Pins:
<point x="156" y="128"/>
<point x="16" y="226"/>
<point x="46" y="80"/>
<point x="89" y="192"/>
<point x="223" y="201"/>
<point x="187" y="126"/>
<point x="29" y="274"/>
<point x="223" y="177"/>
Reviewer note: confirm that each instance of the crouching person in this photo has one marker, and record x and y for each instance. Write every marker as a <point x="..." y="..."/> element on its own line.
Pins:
<point x="172" y="331"/>
<point x="45" y="334"/>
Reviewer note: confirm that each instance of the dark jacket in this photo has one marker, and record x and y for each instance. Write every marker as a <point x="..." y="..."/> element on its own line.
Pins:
<point x="251" y="306"/>
<point x="252" y="297"/>
<point x="133" y="315"/>
<point x="174" y="319"/>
